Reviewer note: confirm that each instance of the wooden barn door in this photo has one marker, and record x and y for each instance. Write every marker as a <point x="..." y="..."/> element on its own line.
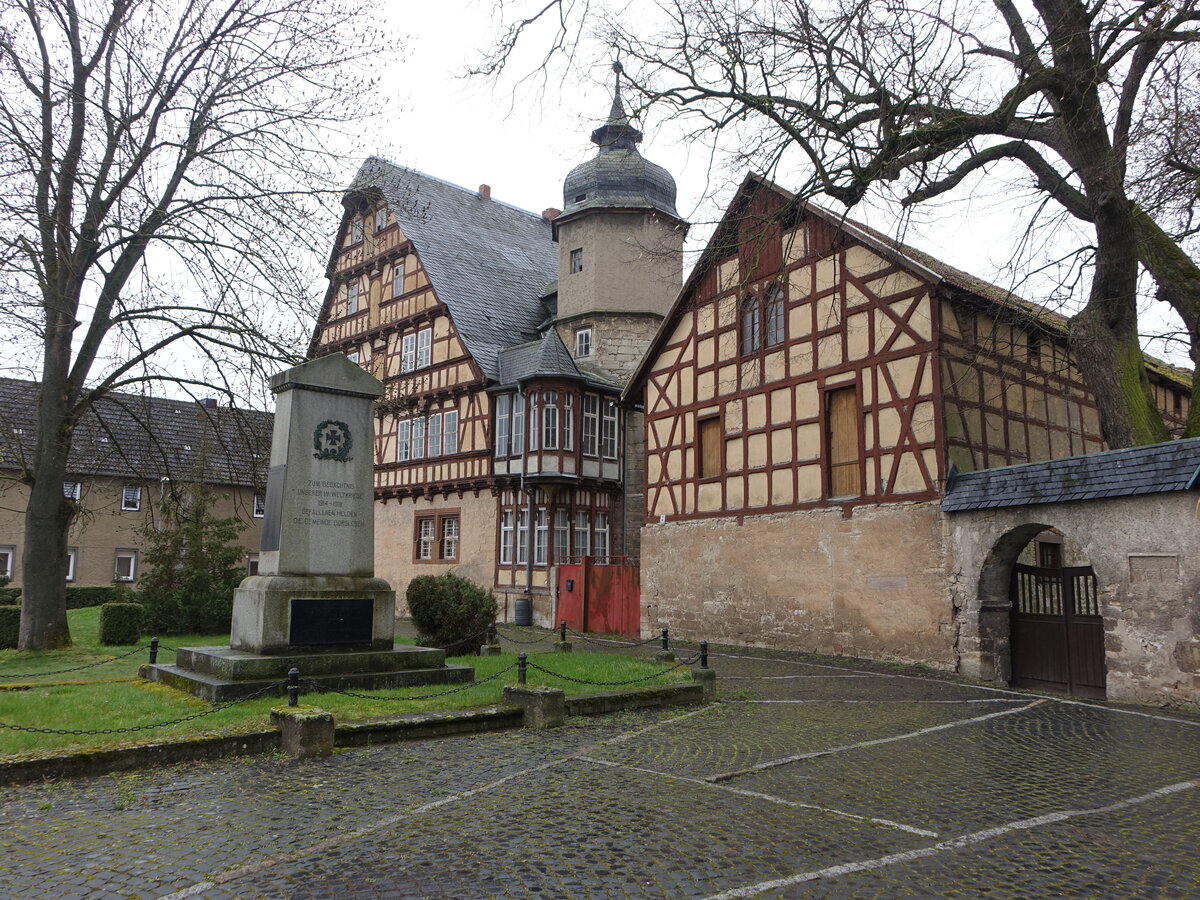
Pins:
<point x="1057" y="632"/>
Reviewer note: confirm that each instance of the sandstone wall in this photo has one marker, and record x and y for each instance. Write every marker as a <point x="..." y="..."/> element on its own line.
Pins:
<point x="871" y="585"/>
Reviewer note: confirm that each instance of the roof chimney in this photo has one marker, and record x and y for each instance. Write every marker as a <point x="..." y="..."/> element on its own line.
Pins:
<point x="209" y="402"/>
<point x="550" y="213"/>
<point x="485" y="191"/>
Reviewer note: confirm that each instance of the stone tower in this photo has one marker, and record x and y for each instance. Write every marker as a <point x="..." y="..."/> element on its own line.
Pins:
<point x="620" y="245"/>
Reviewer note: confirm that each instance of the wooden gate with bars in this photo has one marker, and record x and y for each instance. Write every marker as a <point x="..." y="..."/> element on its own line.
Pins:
<point x="1057" y="632"/>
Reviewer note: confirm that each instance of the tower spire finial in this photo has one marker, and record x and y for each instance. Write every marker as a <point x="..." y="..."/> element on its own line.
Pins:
<point x="617" y="133"/>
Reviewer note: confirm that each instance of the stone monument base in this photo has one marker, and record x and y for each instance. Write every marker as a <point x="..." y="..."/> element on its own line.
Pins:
<point x="291" y="613"/>
<point x="219" y="674"/>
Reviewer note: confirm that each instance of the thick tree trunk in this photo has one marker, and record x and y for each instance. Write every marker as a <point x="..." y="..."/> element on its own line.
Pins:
<point x="1178" y="280"/>
<point x="47" y="521"/>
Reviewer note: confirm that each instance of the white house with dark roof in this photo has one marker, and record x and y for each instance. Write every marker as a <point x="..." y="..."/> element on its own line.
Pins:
<point x="129" y="452"/>
<point x="503" y="339"/>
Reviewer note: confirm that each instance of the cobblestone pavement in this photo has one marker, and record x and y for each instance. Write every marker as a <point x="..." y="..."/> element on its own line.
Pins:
<point x="810" y="779"/>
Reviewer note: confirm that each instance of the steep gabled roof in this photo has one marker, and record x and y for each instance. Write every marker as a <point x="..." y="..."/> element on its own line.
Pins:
<point x="488" y="262"/>
<point x="1154" y="469"/>
<point x="546" y="357"/>
<point x="130" y="436"/>
<point x="915" y="261"/>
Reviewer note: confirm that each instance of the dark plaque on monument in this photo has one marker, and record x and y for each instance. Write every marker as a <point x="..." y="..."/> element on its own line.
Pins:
<point x="330" y="620"/>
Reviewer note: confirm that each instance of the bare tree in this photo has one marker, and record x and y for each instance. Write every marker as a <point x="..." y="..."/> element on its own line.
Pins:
<point x="160" y="165"/>
<point x="1086" y="101"/>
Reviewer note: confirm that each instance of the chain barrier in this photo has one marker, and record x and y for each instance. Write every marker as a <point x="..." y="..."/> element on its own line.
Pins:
<point x="542" y="639"/>
<point x="128" y="728"/>
<point x="591" y="640"/>
<point x="671" y="668"/>
<point x="317" y="687"/>
<point x="472" y="637"/>
<point x="690" y="660"/>
<point x="91" y="665"/>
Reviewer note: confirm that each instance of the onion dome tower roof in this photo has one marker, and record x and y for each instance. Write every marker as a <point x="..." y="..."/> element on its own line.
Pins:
<point x="618" y="177"/>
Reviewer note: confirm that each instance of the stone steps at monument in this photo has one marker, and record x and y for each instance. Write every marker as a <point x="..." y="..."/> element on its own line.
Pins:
<point x="218" y="690"/>
<point x="228" y="664"/>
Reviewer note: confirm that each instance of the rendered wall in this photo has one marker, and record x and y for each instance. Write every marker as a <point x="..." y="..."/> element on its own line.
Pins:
<point x="870" y="585"/>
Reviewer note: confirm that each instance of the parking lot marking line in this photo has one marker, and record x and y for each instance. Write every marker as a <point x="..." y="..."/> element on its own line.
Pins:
<point x="758" y="795"/>
<point x="953" y="844"/>
<point x="333" y="841"/>
<point x="815" y="754"/>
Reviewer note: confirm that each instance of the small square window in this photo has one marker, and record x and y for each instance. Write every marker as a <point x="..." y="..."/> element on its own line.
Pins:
<point x="583" y="342"/>
<point x="577" y="260"/>
<point x="72" y="560"/>
<point x="125" y="565"/>
<point x="251" y="563"/>
<point x="8" y="557"/>
<point x="71" y="490"/>
<point x="260" y="506"/>
<point x="131" y="498"/>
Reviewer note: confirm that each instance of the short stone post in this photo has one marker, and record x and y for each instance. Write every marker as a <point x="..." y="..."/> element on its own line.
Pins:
<point x="707" y="679"/>
<point x="543" y="707"/>
<point x="562" y="645"/>
<point x="665" y="655"/>
<point x="305" y="731"/>
<point x="492" y="647"/>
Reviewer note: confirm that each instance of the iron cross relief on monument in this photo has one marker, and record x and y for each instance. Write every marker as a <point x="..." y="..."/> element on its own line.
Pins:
<point x="332" y="441"/>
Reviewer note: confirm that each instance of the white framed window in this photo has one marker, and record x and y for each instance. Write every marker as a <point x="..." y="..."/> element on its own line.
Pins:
<point x="408" y="352"/>
<point x="582" y="543"/>
<point x="424" y="344"/>
<point x="418" y="438"/>
<point x="426" y="535"/>
<point x="577" y="260"/>
<point x="550" y="420"/>
<point x="506" y="537"/>
<point x="450" y="432"/>
<point x="503" y="411"/>
<point x="71" y="490"/>
<point x="260" y="505"/>
<point x="403" y="440"/>
<point x="356" y="231"/>
<point x="600" y="536"/>
<point x="562" y="534"/>
<point x="449" y="537"/>
<point x="533" y="421"/>
<point x="608" y="430"/>
<point x="751" y="336"/>
<point x="568" y="427"/>
<point x="541" y="536"/>
<point x="775" y="309"/>
<point x="353" y="356"/>
<point x="251" y="563"/>
<point x="351" y="298"/>
<point x="72" y="562"/>
<point x="583" y="342"/>
<point x="398" y="278"/>
<point x="435" y="435"/>
<point x="131" y="498"/>
<point x="8" y="556"/>
<point x="523" y="537"/>
<point x="518" y="425"/>
<point x="125" y="563"/>
<point x="381" y="218"/>
<point x="591" y="425"/>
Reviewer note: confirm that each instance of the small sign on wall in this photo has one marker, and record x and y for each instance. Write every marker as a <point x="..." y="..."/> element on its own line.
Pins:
<point x="1153" y="568"/>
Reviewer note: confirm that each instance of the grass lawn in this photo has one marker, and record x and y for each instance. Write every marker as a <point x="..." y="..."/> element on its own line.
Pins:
<point x="112" y="696"/>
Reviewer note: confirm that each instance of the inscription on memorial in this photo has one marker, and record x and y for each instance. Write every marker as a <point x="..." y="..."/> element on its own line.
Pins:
<point x="332" y="504"/>
<point x="330" y="620"/>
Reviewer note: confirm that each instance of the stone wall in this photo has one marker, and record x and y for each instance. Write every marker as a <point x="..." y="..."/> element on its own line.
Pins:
<point x="1139" y="548"/>
<point x="869" y="585"/>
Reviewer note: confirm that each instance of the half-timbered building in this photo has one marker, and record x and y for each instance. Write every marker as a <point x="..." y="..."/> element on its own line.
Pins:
<point x="806" y="399"/>
<point x="503" y="339"/>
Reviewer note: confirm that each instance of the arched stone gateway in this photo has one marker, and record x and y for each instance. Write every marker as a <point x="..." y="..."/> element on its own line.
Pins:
<point x="1135" y="516"/>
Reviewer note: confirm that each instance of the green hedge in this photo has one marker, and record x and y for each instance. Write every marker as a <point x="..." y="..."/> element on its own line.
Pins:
<point x="10" y="595"/>
<point x="10" y="626"/>
<point x="81" y="597"/>
<point x="120" y="623"/>
<point x="450" y="612"/>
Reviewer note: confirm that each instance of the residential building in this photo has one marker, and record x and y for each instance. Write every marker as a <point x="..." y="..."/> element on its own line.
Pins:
<point x="503" y="339"/>
<point x="128" y="454"/>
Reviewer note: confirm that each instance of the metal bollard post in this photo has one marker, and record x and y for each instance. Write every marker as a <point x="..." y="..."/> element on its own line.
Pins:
<point x="704" y="654"/>
<point x="521" y="660"/>
<point x="562" y="631"/>
<point x="491" y="633"/>
<point x="153" y="651"/>
<point x="666" y="645"/>
<point x="293" y="686"/>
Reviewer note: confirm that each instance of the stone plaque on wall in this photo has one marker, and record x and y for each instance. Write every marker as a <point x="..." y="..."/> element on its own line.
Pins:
<point x="887" y="582"/>
<point x="1151" y="568"/>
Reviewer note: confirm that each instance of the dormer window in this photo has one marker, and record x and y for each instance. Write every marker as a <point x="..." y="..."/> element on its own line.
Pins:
<point x="579" y="198"/>
<point x="577" y="260"/>
<point x="583" y="342"/>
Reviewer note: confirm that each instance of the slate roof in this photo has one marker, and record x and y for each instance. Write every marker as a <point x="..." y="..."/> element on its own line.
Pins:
<point x="130" y="436"/>
<point x="544" y="357"/>
<point x="489" y="262"/>
<point x="1153" y="469"/>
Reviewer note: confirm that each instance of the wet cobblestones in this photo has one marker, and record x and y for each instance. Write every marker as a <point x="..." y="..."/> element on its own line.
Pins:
<point x="837" y="783"/>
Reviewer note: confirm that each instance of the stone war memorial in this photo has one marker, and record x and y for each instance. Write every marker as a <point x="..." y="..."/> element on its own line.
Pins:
<point x="316" y="604"/>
